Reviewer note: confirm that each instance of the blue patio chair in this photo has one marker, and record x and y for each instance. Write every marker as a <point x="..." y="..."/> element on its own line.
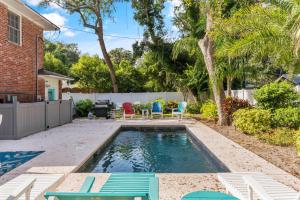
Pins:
<point x="179" y="111"/>
<point x="124" y="186"/>
<point x="157" y="109"/>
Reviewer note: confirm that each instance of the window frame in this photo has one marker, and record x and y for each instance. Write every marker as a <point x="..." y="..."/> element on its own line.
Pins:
<point x="20" y="27"/>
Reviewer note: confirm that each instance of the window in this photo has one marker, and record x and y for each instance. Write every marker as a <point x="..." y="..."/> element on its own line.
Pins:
<point x="14" y="28"/>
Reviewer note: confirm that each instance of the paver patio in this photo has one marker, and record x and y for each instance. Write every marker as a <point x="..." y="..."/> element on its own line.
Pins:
<point x="69" y="146"/>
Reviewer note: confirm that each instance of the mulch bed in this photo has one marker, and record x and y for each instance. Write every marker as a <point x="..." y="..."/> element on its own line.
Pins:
<point x="283" y="157"/>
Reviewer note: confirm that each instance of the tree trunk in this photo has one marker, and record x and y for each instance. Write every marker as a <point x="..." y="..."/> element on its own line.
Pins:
<point x="107" y="58"/>
<point x="229" y="85"/>
<point x="207" y="47"/>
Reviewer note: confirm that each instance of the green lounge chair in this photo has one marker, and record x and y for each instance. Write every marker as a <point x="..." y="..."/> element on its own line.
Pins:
<point x="208" y="195"/>
<point x="119" y="186"/>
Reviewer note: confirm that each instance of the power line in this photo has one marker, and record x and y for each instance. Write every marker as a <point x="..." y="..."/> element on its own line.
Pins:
<point x="107" y="35"/>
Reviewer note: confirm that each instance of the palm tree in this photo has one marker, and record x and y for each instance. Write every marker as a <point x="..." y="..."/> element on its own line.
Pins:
<point x="258" y="34"/>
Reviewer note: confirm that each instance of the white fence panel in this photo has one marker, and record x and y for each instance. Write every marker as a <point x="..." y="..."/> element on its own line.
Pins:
<point x="120" y="98"/>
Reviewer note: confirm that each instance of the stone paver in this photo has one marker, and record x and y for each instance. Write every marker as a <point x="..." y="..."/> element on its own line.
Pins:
<point x="69" y="146"/>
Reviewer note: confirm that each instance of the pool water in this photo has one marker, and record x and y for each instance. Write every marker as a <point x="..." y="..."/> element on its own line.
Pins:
<point x="11" y="160"/>
<point x="152" y="150"/>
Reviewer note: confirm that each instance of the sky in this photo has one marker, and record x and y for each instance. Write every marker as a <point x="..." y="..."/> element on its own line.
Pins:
<point x="120" y="32"/>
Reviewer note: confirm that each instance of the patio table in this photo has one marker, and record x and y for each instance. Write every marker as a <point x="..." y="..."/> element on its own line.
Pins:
<point x="208" y="195"/>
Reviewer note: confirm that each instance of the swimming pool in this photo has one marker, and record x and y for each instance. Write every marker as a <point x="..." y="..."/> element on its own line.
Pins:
<point x="11" y="160"/>
<point x="154" y="149"/>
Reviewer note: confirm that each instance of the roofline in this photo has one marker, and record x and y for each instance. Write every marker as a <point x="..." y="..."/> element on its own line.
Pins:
<point x="51" y="23"/>
<point x="57" y="77"/>
<point x="21" y="8"/>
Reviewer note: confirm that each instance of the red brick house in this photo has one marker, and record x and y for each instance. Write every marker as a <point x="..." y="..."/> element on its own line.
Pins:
<point x="21" y="55"/>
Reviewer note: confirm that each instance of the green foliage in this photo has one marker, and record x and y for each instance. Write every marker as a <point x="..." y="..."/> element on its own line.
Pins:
<point x="129" y="78"/>
<point x="148" y="13"/>
<point x="55" y="65"/>
<point x="172" y="104"/>
<point x="230" y="105"/>
<point x="194" y="108"/>
<point x="280" y="137"/>
<point x="83" y="107"/>
<point x="209" y="110"/>
<point x="298" y="142"/>
<point x="91" y="72"/>
<point x="119" y="54"/>
<point x="276" y="95"/>
<point x="252" y="121"/>
<point x="59" y="57"/>
<point x="287" y="117"/>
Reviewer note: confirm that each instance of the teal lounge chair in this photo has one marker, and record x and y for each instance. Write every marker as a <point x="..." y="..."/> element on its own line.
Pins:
<point x="119" y="186"/>
<point x="179" y="111"/>
<point x="208" y="195"/>
<point x="157" y="109"/>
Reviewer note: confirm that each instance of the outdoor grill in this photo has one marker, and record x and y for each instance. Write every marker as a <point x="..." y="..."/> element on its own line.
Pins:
<point x="103" y="108"/>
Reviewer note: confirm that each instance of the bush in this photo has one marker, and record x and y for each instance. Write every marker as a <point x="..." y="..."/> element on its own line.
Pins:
<point x="83" y="107"/>
<point x="230" y="105"/>
<point x="298" y="142"/>
<point x="209" y="110"/>
<point x="193" y="108"/>
<point x="280" y="137"/>
<point x="252" y="121"/>
<point x="287" y="117"/>
<point x="172" y="104"/>
<point x="275" y="95"/>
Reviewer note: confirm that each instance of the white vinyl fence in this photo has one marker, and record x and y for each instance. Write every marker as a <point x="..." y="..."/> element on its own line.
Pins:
<point x="248" y="94"/>
<point x="119" y="98"/>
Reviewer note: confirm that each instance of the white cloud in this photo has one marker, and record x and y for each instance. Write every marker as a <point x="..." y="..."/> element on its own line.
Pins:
<point x="60" y="21"/>
<point x="37" y="2"/>
<point x="173" y="4"/>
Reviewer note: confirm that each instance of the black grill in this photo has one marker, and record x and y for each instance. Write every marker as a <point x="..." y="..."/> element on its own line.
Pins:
<point x="103" y="108"/>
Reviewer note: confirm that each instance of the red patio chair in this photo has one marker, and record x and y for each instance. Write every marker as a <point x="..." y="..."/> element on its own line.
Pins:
<point x="128" y="110"/>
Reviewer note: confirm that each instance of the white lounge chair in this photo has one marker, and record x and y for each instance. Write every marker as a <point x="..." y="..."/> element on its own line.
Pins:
<point x="256" y="186"/>
<point x="30" y="186"/>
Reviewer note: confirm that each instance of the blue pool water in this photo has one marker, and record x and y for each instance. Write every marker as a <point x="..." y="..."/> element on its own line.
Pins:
<point x="152" y="150"/>
<point x="11" y="160"/>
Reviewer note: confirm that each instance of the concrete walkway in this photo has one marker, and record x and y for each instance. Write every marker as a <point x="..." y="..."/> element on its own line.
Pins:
<point x="69" y="146"/>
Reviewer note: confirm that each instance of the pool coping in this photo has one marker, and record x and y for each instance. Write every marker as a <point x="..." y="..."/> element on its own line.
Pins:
<point x="227" y="151"/>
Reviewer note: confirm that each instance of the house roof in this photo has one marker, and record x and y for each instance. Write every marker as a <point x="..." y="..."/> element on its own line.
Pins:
<point x="21" y="8"/>
<point x="46" y="73"/>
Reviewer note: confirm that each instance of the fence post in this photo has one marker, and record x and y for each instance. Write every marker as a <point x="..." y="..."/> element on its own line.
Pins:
<point x="15" y="117"/>
<point x="46" y="114"/>
<point x="71" y="110"/>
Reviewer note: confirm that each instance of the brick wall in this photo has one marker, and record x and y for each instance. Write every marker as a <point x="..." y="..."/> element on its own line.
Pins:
<point x="18" y="63"/>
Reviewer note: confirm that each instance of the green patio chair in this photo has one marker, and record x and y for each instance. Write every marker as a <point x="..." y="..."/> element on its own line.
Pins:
<point x="119" y="186"/>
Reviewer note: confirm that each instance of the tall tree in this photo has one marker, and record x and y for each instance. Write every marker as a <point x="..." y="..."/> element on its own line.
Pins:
<point x="92" y="13"/>
<point x="59" y="57"/>
<point x="148" y="13"/>
<point x="119" y="54"/>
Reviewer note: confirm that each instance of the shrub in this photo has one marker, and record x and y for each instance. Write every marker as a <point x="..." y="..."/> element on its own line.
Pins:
<point x="83" y="107"/>
<point x="298" y="142"/>
<point x="209" y="110"/>
<point x="287" y="117"/>
<point x="230" y="105"/>
<point x="172" y="104"/>
<point x="137" y="108"/>
<point x="275" y="95"/>
<point x="280" y="137"/>
<point x="252" y="121"/>
<point x="193" y="108"/>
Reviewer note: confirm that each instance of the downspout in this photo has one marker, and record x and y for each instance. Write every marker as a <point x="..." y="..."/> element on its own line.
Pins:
<point x="36" y="64"/>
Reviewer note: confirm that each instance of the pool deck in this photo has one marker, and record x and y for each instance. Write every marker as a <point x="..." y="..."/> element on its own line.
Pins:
<point x="68" y="147"/>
